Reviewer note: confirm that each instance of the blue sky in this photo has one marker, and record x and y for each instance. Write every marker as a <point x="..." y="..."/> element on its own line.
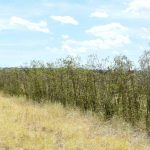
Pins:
<point x="48" y="29"/>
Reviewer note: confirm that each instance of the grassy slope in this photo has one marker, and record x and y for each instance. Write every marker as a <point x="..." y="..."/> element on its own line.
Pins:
<point x="27" y="126"/>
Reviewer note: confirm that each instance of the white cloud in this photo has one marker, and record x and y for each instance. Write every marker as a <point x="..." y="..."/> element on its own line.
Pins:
<point x="136" y="7"/>
<point x="65" y="19"/>
<point x="108" y="37"/>
<point x="74" y="47"/>
<point x="114" y="32"/>
<point x="65" y="36"/>
<point x="41" y="26"/>
<point x="100" y="14"/>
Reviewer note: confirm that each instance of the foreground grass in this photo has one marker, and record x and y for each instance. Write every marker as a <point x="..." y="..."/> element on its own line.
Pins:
<point x="28" y="126"/>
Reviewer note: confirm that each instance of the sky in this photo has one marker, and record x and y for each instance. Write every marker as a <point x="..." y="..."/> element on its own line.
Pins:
<point x="47" y="30"/>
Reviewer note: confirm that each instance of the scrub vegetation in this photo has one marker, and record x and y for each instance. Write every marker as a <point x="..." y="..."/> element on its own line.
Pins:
<point x="108" y="89"/>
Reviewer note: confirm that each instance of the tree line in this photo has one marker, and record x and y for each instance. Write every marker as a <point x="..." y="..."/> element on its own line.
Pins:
<point x="112" y="89"/>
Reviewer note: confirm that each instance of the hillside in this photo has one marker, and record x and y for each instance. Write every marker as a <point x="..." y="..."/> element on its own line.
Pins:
<point x="28" y="126"/>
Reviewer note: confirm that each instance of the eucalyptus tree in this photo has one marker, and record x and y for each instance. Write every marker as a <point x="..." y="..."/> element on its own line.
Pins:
<point x="145" y="82"/>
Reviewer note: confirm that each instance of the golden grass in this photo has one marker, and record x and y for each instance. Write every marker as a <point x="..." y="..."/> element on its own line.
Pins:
<point x="28" y="126"/>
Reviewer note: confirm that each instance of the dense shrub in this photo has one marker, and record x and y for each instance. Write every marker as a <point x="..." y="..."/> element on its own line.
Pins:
<point x="113" y="89"/>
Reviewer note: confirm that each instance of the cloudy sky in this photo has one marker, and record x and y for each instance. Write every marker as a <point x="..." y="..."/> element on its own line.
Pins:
<point x="50" y="29"/>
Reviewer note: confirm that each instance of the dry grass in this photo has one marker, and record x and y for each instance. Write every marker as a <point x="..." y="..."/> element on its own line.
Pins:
<point x="28" y="126"/>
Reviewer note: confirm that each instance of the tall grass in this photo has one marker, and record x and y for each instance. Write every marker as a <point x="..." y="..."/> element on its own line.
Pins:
<point x="114" y="89"/>
<point x="28" y="126"/>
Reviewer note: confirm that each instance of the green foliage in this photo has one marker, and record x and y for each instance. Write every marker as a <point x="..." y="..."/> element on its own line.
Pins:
<point x="113" y="89"/>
